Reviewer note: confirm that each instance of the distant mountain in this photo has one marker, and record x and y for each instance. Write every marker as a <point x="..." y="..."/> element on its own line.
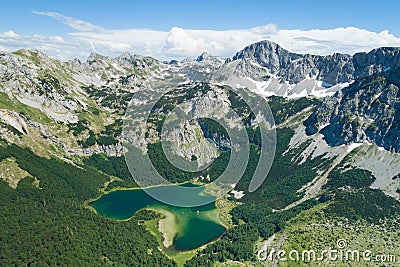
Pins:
<point x="277" y="71"/>
<point x="334" y="69"/>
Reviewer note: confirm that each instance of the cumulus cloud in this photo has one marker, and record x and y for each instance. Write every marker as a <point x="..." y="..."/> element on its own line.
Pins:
<point x="344" y="40"/>
<point x="178" y="43"/>
<point x="52" y="45"/>
<point x="56" y="39"/>
<point x="265" y="29"/>
<point x="9" y="34"/>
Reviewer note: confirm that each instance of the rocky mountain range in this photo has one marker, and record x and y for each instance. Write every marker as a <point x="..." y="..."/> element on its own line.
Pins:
<point x="70" y="108"/>
<point x="331" y="70"/>
<point x="63" y="125"/>
<point x="62" y="90"/>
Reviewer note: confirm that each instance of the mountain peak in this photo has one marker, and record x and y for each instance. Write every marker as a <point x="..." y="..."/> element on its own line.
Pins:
<point x="203" y="56"/>
<point x="94" y="57"/>
<point x="265" y="58"/>
<point x="262" y="47"/>
<point x="126" y="56"/>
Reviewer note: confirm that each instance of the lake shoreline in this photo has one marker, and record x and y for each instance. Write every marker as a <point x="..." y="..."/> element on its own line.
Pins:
<point x="167" y="226"/>
<point x="172" y="224"/>
<point x="103" y="190"/>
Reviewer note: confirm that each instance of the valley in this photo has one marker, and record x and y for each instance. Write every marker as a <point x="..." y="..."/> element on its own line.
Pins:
<point x="70" y="194"/>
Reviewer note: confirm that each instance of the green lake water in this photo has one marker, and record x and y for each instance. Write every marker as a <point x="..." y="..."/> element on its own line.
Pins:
<point x="196" y="225"/>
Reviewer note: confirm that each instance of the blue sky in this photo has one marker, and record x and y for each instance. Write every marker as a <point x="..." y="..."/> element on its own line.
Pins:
<point x="222" y="16"/>
<point x="217" y="15"/>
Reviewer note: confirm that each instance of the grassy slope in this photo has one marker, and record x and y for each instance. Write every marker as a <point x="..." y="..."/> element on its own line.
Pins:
<point x="313" y="229"/>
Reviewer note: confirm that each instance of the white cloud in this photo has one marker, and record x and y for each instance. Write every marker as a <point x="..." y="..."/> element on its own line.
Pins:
<point x="344" y="40"/>
<point x="179" y="43"/>
<point x="10" y="34"/>
<point x="265" y="29"/>
<point x="53" y="45"/>
<point x="57" y="39"/>
<point x="76" y="24"/>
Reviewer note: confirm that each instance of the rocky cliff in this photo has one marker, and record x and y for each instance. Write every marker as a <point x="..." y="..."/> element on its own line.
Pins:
<point x="293" y="68"/>
<point x="366" y="111"/>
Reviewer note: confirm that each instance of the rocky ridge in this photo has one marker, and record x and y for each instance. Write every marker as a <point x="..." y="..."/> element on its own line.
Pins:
<point x="366" y="111"/>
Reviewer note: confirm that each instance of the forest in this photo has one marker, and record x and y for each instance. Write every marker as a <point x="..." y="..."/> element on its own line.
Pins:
<point x="49" y="225"/>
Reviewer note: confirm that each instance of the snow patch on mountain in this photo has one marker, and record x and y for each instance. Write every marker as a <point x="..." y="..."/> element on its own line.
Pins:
<point x="353" y="146"/>
<point x="274" y="87"/>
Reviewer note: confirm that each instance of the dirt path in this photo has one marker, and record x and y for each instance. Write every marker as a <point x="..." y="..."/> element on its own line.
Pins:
<point x="275" y="260"/>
